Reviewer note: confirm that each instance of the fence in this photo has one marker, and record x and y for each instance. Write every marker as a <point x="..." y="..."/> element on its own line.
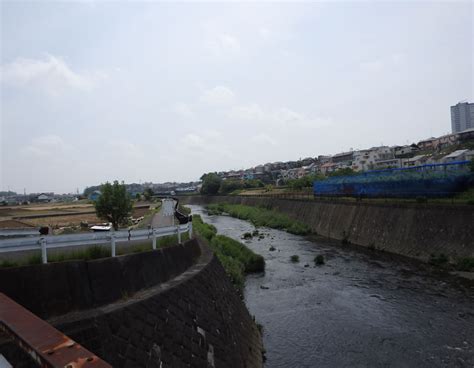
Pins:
<point x="433" y="180"/>
<point x="44" y="243"/>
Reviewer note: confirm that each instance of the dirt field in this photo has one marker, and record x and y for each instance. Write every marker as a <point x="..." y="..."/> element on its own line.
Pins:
<point x="64" y="215"/>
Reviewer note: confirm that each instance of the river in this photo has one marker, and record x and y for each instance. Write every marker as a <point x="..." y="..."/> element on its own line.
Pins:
<point x="360" y="309"/>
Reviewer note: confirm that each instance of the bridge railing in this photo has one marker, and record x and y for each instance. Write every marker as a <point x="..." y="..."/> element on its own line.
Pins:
<point x="46" y="346"/>
<point x="44" y="243"/>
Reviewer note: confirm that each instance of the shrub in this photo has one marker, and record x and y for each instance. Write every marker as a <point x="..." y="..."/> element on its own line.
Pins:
<point x="247" y="236"/>
<point x="319" y="259"/>
<point x="294" y="258"/>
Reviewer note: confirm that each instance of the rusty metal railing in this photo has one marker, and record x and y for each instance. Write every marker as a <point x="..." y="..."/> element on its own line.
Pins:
<point x="47" y="346"/>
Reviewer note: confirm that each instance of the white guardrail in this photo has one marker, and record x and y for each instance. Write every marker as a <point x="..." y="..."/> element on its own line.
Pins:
<point x="99" y="238"/>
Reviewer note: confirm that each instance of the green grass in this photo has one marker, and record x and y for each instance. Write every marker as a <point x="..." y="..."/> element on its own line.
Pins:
<point x="261" y="217"/>
<point x="294" y="258"/>
<point x="465" y="264"/>
<point x="319" y="259"/>
<point x="236" y="258"/>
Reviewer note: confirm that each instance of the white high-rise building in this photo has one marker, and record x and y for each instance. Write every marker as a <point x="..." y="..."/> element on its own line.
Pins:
<point x="462" y="117"/>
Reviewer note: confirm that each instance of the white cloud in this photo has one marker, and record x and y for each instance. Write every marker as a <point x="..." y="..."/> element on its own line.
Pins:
<point x="124" y="150"/>
<point x="193" y="141"/>
<point x="276" y="117"/>
<point x="51" y="74"/>
<point x="264" y="139"/>
<point x="219" y="95"/>
<point x="383" y="63"/>
<point x="264" y="33"/>
<point x="224" y="45"/>
<point x="207" y="144"/>
<point x="248" y="112"/>
<point x="46" y="146"/>
<point x="183" y="110"/>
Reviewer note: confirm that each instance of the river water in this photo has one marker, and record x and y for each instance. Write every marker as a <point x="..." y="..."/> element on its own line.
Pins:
<point x="360" y="309"/>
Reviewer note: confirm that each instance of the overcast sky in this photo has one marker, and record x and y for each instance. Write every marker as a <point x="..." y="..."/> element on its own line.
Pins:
<point x="95" y="91"/>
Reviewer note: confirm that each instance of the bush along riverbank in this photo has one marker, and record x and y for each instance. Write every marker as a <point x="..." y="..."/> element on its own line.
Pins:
<point x="236" y="258"/>
<point x="260" y="217"/>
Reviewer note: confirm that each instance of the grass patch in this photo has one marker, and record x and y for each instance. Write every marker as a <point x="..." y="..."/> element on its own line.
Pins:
<point x="465" y="264"/>
<point x="261" y="217"/>
<point x="236" y="258"/>
<point x="440" y="260"/>
<point x="319" y="259"/>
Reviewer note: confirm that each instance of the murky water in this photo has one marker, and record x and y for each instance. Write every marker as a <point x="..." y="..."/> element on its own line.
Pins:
<point x="359" y="309"/>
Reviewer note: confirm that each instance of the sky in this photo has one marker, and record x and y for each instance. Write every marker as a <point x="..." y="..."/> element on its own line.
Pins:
<point x="96" y="91"/>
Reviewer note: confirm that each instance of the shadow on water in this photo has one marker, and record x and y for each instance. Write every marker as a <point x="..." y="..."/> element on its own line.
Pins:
<point x="359" y="309"/>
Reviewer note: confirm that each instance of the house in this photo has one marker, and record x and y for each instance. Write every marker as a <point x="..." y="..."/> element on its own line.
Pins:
<point x="328" y="167"/>
<point x="388" y="164"/>
<point x="94" y="196"/>
<point x="44" y="198"/>
<point x="343" y="157"/>
<point x="405" y="151"/>
<point x="416" y="161"/>
<point x="427" y="144"/>
<point x="459" y="155"/>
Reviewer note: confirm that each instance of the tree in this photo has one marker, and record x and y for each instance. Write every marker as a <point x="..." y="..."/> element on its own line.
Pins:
<point x="114" y="204"/>
<point x="471" y="165"/>
<point x="211" y="183"/>
<point x="148" y="193"/>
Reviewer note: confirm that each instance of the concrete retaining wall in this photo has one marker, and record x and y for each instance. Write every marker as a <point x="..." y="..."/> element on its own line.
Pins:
<point x="186" y="312"/>
<point x="197" y="320"/>
<point x="57" y="288"/>
<point x="413" y="230"/>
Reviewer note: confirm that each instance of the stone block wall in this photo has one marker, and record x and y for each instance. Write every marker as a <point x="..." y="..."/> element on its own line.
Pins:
<point x="413" y="230"/>
<point x="197" y="320"/>
<point x="56" y="288"/>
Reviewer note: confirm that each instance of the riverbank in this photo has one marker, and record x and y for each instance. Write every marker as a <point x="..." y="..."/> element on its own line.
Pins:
<point x="234" y="256"/>
<point x="434" y="232"/>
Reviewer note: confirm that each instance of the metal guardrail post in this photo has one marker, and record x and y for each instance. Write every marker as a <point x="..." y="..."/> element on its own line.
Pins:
<point x="190" y="229"/>
<point x="44" y="253"/>
<point x="179" y="234"/>
<point x="112" y="243"/>
<point x="154" y="238"/>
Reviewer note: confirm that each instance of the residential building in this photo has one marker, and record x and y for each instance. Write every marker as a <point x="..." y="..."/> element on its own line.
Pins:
<point x="365" y="160"/>
<point x="427" y="143"/>
<point x="388" y="164"/>
<point x="459" y="155"/>
<point x="416" y="161"/>
<point x="328" y="167"/>
<point x="462" y="117"/>
<point x="405" y="151"/>
<point x="343" y="157"/>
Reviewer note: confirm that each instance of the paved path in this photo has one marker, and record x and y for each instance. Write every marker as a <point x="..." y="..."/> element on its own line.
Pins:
<point x="165" y="217"/>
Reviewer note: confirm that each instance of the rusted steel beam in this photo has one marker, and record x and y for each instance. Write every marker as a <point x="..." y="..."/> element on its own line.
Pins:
<point x="47" y="346"/>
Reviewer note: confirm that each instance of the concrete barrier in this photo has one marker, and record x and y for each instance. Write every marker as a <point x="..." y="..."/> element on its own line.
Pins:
<point x="413" y="230"/>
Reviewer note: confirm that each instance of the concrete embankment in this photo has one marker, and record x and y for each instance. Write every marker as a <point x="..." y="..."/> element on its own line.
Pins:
<point x="413" y="230"/>
<point x="169" y="308"/>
